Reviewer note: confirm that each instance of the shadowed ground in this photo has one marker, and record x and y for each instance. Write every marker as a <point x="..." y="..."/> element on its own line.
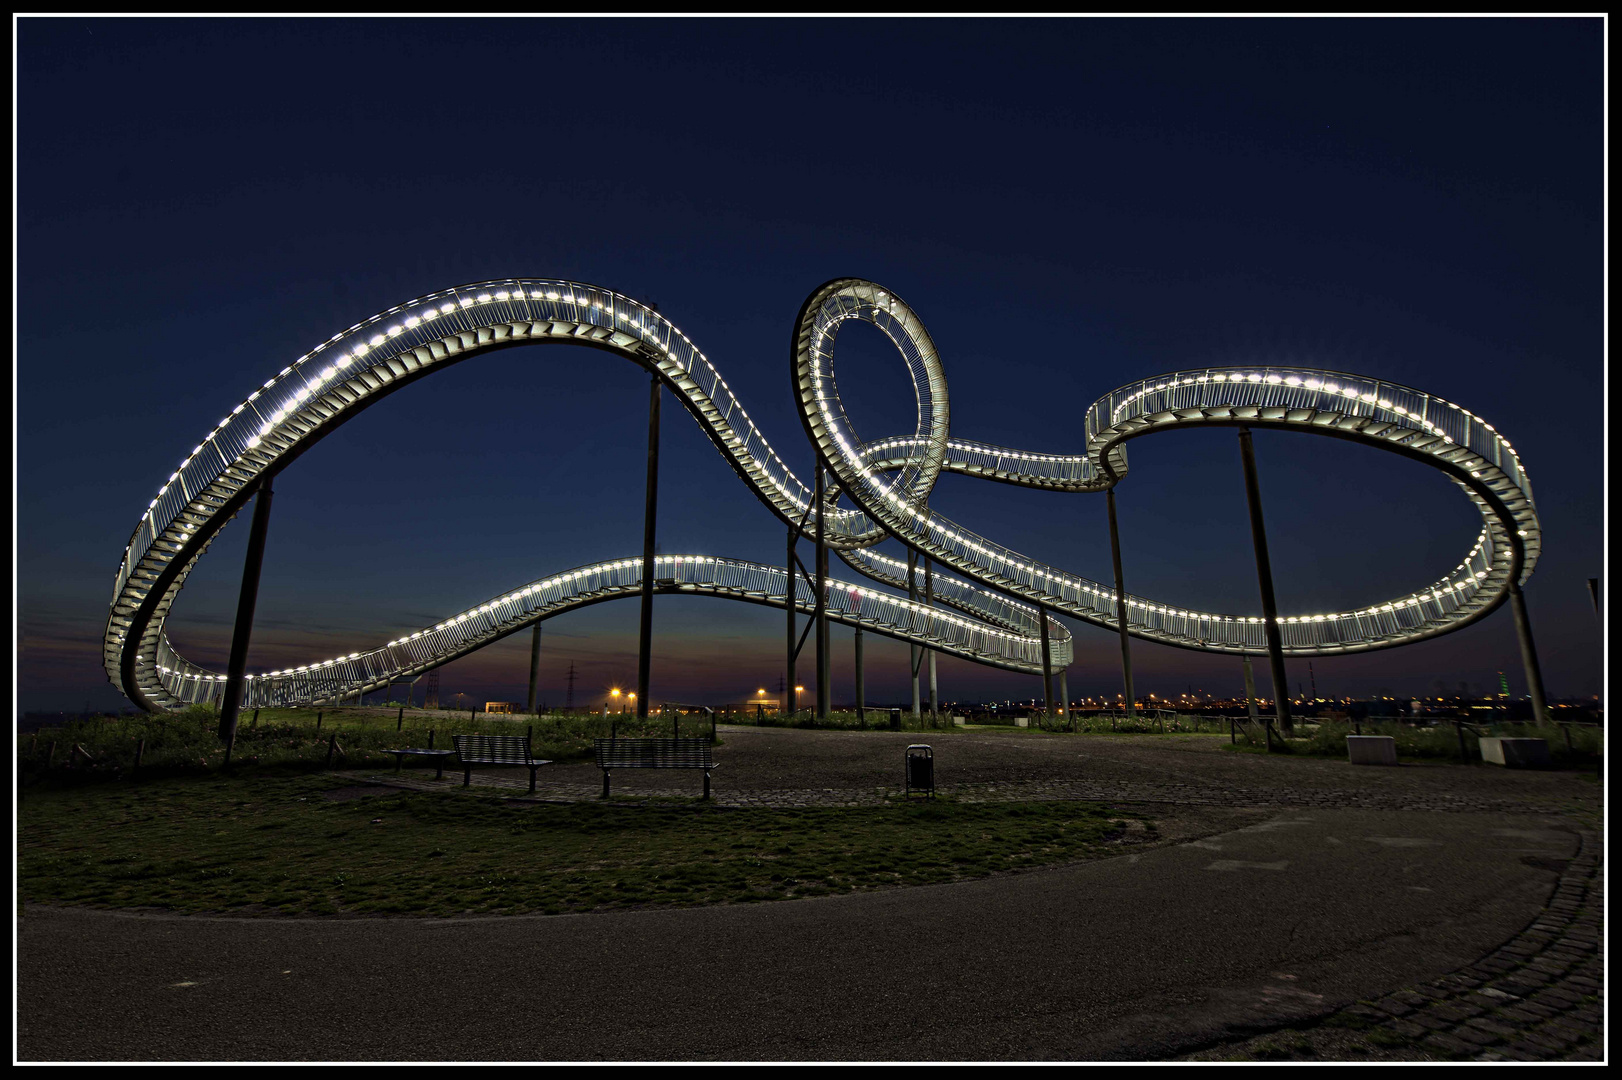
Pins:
<point x="1268" y="914"/>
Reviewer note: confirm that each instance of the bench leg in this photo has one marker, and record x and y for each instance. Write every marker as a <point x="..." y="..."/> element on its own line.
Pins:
<point x="706" y="783"/>
<point x="605" y="783"/>
<point x="399" y="759"/>
<point x="532" y="769"/>
<point x="467" y="776"/>
<point x="439" y="768"/>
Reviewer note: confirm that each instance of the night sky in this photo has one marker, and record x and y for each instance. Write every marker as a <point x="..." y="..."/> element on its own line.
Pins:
<point x="1068" y="205"/>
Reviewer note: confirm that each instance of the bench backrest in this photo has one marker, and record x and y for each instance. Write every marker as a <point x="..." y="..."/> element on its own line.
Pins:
<point x="492" y="748"/>
<point x="655" y="753"/>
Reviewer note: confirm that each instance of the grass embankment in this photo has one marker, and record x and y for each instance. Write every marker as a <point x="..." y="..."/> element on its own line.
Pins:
<point x="1441" y="742"/>
<point x="275" y="844"/>
<point x="185" y="742"/>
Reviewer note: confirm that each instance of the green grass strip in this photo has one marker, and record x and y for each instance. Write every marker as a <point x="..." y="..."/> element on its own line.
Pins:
<point x="274" y="844"/>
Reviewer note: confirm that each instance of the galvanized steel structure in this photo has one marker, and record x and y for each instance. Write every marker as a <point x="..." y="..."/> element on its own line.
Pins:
<point x="879" y="490"/>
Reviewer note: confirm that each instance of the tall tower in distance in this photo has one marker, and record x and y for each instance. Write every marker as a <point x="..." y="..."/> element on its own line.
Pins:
<point x="430" y="695"/>
<point x="568" y="702"/>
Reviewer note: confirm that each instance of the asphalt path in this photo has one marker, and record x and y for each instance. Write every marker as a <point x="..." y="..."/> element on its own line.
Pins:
<point x="1137" y="957"/>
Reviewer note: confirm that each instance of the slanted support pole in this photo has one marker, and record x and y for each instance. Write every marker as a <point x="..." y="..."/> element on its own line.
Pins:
<point x="1250" y="690"/>
<point x="861" y="684"/>
<point x="1120" y="603"/>
<point x="823" y="680"/>
<point x="1529" y="654"/>
<point x="231" y="703"/>
<point x="1064" y="692"/>
<point x="1264" y="572"/>
<point x="912" y="594"/>
<point x="534" y="667"/>
<point x="789" y="702"/>
<point x="929" y="601"/>
<point x="644" y="654"/>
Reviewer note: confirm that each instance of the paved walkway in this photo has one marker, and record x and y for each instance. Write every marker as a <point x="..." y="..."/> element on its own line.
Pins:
<point x="1312" y="891"/>
<point x="1538" y="997"/>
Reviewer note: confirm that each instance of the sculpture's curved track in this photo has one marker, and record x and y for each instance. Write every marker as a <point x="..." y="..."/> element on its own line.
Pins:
<point x="887" y="480"/>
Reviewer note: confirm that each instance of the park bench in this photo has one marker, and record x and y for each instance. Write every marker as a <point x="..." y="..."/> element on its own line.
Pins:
<point x="495" y="750"/>
<point x="439" y="757"/>
<point x="655" y="754"/>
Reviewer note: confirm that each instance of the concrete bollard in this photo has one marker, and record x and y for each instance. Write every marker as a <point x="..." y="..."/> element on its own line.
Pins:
<point x="1516" y="753"/>
<point x="1371" y="749"/>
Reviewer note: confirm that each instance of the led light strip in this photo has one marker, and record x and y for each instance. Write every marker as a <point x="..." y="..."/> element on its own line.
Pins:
<point x="889" y="480"/>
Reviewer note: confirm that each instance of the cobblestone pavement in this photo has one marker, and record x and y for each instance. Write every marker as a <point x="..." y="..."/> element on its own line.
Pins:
<point x="1539" y="997"/>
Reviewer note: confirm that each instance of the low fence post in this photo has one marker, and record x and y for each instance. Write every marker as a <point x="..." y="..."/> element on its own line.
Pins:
<point x="318" y="717"/>
<point x="140" y="749"/>
<point x="1458" y="727"/>
<point x="1232" y="738"/>
<point x="255" y="721"/>
<point x="399" y="720"/>
<point x="332" y="745"/>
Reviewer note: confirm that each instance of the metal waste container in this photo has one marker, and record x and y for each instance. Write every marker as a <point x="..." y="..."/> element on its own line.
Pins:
<point x="920" y="769"/>
<point x="895" y="719"/>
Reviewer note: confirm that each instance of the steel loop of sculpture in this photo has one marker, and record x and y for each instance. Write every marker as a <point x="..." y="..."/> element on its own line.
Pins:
<point x="888" y="481"/>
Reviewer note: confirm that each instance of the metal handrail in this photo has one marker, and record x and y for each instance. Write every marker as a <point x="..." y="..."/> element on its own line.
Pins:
<point x="887" y="481"/>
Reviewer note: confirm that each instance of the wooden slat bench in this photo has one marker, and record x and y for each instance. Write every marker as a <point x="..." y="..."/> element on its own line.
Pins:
<point x="655" y="754"/>
<point x="495" y="750"/>
<point x="439" y="757"/>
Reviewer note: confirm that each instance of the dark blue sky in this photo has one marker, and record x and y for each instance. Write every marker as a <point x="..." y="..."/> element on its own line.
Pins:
<point x="1067" y="204"/>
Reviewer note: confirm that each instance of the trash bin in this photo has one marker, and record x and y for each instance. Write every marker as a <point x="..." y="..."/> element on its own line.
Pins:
<point x="895" y="719"/>
<point x="920" y="769"/>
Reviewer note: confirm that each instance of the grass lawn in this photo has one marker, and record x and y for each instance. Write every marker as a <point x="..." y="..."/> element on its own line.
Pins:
<point x="273" y="843"/>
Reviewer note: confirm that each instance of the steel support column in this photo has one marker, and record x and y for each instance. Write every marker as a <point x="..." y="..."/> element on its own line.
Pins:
<point x="861" y="683"/>
<point x="1264" y="571"/>
<point x="650" y="517"/>
<point x="1120" y="603"/>
<point x="534" y="666"/>
<point x="231" y="702"/>
<point x="1047" y="663"/>
<point x="1250" y="691"/>
<point x="789" y="704"/>
<point x="821" y="609"/>
<point x="1529" y="654"/>
<point x="1064" y="692"/>
<point x="929" y="601"/>
<point x="912" y="594"/>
